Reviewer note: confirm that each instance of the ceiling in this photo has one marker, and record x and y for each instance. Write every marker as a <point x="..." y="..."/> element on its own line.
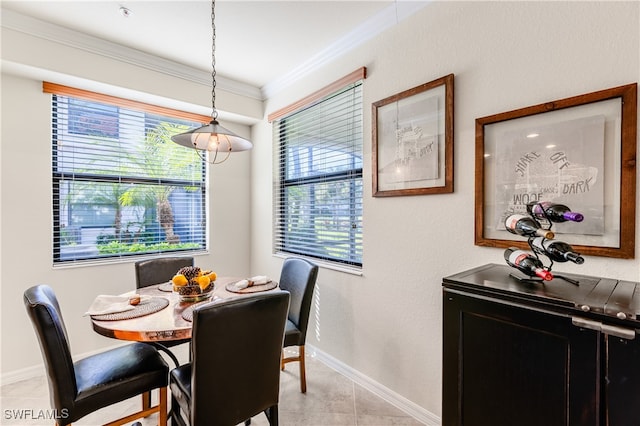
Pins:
<point x="257" y="42"/>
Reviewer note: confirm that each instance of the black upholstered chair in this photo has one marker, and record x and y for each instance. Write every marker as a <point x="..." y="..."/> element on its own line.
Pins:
<point x="235" y="372"/>
<point x="98" y="381"/>
<point x="298" y="277"/>
<point x="156" y="271"/>
<point x="160" y="270"/>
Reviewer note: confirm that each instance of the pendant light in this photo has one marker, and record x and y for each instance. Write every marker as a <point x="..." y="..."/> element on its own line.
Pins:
<point x="213" y="138"/>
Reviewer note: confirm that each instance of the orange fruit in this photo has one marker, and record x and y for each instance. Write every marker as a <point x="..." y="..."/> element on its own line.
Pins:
<point x="203" y="281"/>
<point x="179" y="280"/>
<point x="212" y="276"/>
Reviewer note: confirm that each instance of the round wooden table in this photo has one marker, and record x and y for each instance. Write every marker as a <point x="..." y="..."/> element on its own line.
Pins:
<point x="166" y="324"/>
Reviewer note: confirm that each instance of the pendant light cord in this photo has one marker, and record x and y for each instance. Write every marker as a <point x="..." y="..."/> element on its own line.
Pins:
<point x="213" y="137"/>
<point x="214" y="111"/>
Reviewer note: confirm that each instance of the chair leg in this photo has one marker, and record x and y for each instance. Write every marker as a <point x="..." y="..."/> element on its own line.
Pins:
<point x="303" y="373"/>
<point x="146" y="400"/>
<point x="300" y="358"/>
<point x="272" y="415"/>
<point x="162" y="407"/>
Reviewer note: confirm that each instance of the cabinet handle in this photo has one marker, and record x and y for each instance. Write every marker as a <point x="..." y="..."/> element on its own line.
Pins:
<point x="613" y="330"/>
<point x="586" y="323"/>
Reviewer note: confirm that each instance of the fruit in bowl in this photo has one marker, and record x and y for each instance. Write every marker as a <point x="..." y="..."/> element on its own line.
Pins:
<point x="192" y="281"/>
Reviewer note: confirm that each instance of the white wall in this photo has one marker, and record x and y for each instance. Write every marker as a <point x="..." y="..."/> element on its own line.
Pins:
<point x="386" y="324"/>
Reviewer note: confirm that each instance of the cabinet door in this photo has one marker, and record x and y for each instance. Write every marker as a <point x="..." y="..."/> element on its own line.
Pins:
<point x="506" y="364"/>
<point x="623" y="381"/>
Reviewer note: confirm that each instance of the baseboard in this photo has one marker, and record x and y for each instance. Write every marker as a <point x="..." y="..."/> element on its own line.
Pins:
<point x="376" y="388"/>
<point x="22" y="374"/>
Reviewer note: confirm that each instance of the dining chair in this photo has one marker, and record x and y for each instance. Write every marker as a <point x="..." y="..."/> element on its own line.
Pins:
<point x="235" y="372"/>
<point x="79" y="388"/>
<point x="298" y="277"/>
<point x="161" y="270"/>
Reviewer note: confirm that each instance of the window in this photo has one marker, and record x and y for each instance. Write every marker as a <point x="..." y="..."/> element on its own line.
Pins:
<point x="318" y="188"/>
<point x="121" y="187"/>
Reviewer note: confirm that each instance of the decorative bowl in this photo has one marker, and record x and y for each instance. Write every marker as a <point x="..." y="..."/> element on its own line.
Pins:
<point x="193" y="293"/>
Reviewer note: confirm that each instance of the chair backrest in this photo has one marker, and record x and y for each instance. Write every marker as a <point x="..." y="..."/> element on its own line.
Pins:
<point x="160" y="270"/>
<point x="236" y="357"/>
<point x="44" y="311"/>
<point x="298" y="277"/>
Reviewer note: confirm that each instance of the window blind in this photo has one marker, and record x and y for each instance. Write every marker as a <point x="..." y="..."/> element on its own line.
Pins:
<point x="318" y="178"/>
<point x="121" y="187"/>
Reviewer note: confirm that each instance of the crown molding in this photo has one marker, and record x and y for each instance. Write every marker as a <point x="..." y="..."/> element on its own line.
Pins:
<point x="48" y="31"/>
<point x="386" y="18"/>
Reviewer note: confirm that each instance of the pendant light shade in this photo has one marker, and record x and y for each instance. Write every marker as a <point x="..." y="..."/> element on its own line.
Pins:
<point x="213" y="138"/>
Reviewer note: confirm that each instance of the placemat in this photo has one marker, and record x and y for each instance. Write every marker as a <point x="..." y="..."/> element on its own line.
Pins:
<point x="253" y="289"/>
<point x="187" y="314"/>
<point x="168" y="287"/>
<point x="150" y="306"/>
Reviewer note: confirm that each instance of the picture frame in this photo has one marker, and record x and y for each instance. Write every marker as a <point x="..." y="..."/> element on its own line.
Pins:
<point x="412" y="141"/>
<point x="580" y="152"/>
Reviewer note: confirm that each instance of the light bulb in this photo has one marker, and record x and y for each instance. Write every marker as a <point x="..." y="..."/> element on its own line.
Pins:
<point x="214" y="142"/>
<point x="205" y="141"/>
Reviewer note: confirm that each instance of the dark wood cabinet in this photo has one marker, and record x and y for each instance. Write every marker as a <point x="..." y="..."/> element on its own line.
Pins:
<point x="539" y="354"/>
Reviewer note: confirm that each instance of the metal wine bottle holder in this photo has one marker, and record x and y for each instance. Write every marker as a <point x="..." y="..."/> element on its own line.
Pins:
<point x="549" y="225"/>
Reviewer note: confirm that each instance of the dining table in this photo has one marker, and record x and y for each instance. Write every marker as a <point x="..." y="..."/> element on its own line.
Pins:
<point x="163" y="315"/>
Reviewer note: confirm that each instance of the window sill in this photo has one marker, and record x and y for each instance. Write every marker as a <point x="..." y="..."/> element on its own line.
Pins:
<point x="353" y="270"/>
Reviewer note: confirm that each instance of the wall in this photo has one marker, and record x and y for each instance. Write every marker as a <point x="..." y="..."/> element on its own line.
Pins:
<point x="386" y="324"/>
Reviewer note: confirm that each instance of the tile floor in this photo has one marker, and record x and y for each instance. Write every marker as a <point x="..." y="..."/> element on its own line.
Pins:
<point x="331" y="399"/>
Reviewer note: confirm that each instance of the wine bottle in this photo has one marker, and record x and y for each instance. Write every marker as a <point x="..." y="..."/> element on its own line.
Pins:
<point x="526" y="226"/>
<point x="558" y="251"/>
<point x="526" y="263"/>
<point x="554" y="212"/>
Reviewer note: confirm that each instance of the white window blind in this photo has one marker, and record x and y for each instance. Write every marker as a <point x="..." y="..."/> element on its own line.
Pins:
<point x="121" y="187"/>
<point x="318" y="178"/>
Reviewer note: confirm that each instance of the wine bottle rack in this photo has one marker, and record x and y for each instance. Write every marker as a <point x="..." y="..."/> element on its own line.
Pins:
<point x="544" y="223"/>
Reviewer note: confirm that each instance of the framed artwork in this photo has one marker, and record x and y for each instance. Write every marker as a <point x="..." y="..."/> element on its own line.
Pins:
<point x="412" y="137"/>
<point x="580" y="152"/>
